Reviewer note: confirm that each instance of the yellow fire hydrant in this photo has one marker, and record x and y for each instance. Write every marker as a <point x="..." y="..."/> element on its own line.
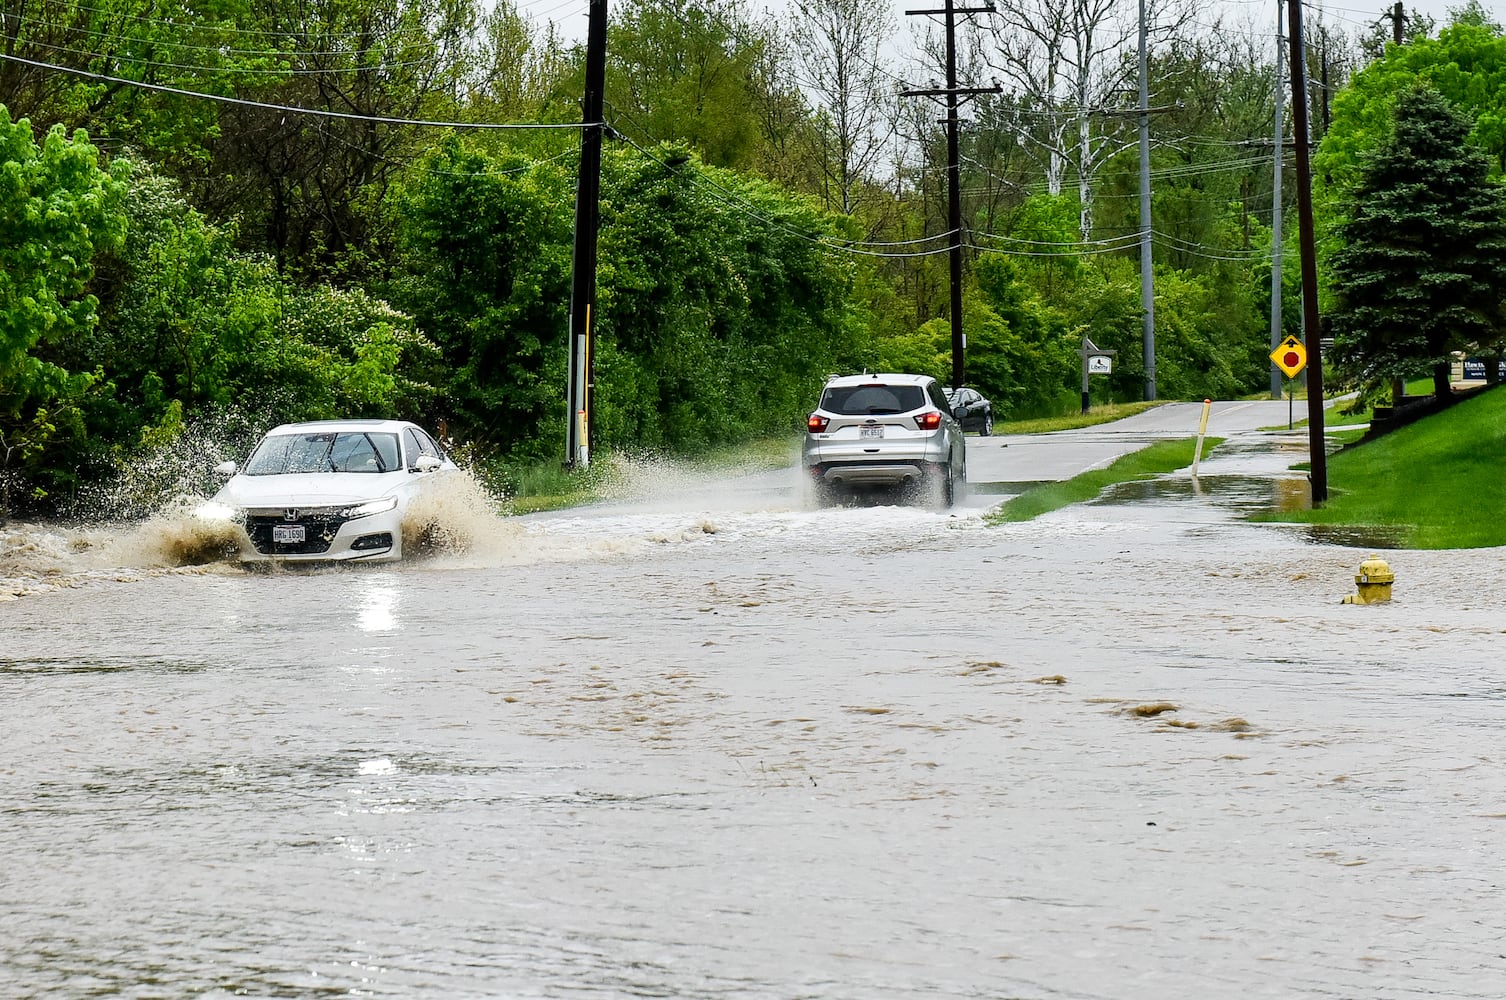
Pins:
<point x="1374" y="580"/>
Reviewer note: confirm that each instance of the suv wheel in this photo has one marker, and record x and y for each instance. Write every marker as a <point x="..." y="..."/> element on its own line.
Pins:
<point x="942" y="489"/>
<point x="821" y="495"/>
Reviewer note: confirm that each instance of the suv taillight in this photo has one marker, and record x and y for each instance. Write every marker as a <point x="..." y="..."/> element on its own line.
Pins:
<point x="928" y="421"/>
<point x="816" y="424"/>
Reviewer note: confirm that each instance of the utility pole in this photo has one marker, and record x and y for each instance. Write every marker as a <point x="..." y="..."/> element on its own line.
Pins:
<point x="1147" y="270"/>
<point x="1276" y="323"/>
<point x="587" y="223"/>
<point x="1318" y="456"/>
<point x="953" y="94"/>
<point x="1323" y="88"/>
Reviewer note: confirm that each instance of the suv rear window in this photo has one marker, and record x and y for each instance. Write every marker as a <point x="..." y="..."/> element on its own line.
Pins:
<point x="854" y="400"/>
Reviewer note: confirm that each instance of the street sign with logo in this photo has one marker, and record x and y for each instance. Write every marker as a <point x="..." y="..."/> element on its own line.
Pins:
<point x="1474" y="369"/>
<point x="1290" y="356"/>
<point x="1095" y="361"/>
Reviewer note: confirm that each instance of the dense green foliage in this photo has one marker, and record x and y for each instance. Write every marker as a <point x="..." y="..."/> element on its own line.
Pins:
<point x="58" y="209"/>
<point x="322" y="208"/>
<point x="1466" y="64"/>
<point x="716" y="316"/>
<point x="1423" y="257"/>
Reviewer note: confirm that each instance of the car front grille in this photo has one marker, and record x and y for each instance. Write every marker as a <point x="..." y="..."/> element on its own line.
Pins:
<point x="319" y="530"/>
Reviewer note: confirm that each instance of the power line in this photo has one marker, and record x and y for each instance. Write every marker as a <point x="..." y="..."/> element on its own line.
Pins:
<point x="230" y="68"/>
<point x="742" y="205"/>
<point x="288" y="109"/>
<point x="435" y="172"/>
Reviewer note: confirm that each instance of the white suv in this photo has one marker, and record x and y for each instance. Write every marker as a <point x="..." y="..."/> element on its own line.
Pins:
<point x="885" y="431"/>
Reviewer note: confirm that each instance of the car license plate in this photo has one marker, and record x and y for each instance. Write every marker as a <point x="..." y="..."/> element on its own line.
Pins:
<point x="283" y="534"/>
<point x="875" y="431"/>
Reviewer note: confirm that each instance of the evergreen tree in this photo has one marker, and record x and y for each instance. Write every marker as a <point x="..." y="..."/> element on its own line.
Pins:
<point x="1424" y="252"/>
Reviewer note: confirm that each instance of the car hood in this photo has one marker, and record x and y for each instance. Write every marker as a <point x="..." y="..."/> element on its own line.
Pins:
<point x="309" y="489"/>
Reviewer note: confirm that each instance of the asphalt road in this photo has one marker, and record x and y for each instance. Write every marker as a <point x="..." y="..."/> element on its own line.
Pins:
<point x="1026" y="458"/>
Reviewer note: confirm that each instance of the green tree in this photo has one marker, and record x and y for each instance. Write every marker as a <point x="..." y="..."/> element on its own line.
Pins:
<point x="1024" y="358"/>
<point x="718" y="308"/>
<point x="485" y="270"/>
<point x="58" y="208"/>
<point x="721" y="312"/>
<point x="685" y="71"/>
<point x="1466" y="63"/>
<point x="518" y="72"/>
<point x="311" y="189"/>
<point x="190" y="331"/>
<point x="1424" y="251"/>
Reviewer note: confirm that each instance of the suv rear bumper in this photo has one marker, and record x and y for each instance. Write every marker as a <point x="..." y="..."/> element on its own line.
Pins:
<point x="874" y="473"/>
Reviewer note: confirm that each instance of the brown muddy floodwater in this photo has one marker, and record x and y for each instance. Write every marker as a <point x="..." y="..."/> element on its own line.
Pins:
<point x="719" y="746"/>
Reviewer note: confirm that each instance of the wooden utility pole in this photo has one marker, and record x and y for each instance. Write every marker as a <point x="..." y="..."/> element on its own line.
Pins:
<point x="1318" y="456"/>
<point x="587" y="224"/>
<point x="953" y="95"/>
<point x="1277" y="332"/>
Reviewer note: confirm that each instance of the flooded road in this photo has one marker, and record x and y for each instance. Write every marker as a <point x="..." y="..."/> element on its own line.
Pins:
<point x="704" y="743"/>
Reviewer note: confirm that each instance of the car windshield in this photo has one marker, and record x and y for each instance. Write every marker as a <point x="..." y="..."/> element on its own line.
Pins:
<point x="324" y="451"/>
<point x="866" y="399"/>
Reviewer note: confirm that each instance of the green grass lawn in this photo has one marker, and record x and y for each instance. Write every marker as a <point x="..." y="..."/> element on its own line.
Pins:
<point x="1161" y="457"/>
<point x="1336" y="414"/>
<point x="1434" y="484"/>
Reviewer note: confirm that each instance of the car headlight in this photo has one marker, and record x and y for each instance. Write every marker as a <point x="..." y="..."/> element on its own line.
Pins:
<point x="213" y="510"/>
<point x="370" y="507"/>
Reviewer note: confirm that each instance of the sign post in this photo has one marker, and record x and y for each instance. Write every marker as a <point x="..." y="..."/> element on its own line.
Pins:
<point x="1202" y="430"/>
<point x="1291" y="357"/>
<point x="1095" y="361"/>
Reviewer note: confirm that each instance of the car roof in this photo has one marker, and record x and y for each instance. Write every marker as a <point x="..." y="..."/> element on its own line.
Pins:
<point x="879" y="378"/>
<point x="364" y="424"/>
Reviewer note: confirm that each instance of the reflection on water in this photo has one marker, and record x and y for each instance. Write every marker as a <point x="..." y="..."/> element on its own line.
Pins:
<point x="1359" y="536"/>
<point x="1244" y="493"/>
<point x="379" y="604"/>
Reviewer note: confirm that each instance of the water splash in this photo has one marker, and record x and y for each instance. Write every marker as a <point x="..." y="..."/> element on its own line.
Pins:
<point x="170" y="537"/>
<point x="455" y="515"/>
<point x="146" y="523"/>
<point x="173" y="470"/>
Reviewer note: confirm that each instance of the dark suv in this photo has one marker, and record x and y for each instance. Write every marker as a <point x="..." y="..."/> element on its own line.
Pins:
<point x="885" y="431"/>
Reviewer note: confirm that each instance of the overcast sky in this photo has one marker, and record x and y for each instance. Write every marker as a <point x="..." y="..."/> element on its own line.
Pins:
<point x="1352" y="15"/>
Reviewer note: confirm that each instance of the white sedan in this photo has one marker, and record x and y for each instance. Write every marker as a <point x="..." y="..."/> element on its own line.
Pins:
<point x="328" y="490"/>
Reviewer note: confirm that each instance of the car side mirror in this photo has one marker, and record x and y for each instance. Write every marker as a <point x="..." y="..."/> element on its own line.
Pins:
<point x="426" y="463"/>
<point x="225" y="469"/>
<point x="960" y="411"/>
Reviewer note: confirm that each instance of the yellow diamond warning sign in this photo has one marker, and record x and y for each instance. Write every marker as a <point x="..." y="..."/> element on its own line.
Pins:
<point x="1290" y="357"/>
